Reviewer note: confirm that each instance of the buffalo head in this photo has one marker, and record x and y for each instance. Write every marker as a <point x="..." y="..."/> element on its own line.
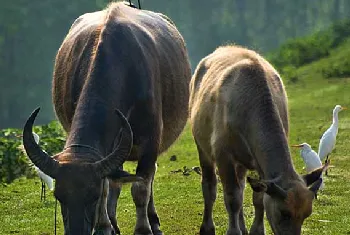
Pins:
<point x="286" y="209"/>
<point x="81" y="186"/>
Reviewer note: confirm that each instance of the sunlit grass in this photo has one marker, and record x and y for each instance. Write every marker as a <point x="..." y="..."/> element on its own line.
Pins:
<point x="178" y="197"/>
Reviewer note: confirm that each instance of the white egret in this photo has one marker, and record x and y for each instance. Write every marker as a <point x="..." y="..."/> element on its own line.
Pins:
<point x="328" y="139"/>
<point x="310" y="158"/>
<point x="45" y="179"/>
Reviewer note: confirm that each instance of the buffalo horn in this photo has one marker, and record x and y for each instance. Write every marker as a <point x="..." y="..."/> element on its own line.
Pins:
<point x="40" y="159"/>
<point x="119" y="155"/>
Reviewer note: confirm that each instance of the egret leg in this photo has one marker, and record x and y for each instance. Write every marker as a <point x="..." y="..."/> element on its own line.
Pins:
<point x="326" y="161"/>
<point x="42" y="191"/>
<point x="44" y="186"/>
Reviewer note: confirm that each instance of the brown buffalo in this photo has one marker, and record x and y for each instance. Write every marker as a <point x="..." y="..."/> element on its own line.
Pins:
<point x="239" y="116"/>
<point x="125" y="59"/>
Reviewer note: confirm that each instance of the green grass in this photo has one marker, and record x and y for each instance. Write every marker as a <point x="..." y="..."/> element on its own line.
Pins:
<point x="179" y="199"/>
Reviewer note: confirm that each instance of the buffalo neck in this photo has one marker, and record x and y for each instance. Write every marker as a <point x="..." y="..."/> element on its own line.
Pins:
<point x="270" y="146"/>
<point x="94" y="125"/>
<point x="106" y="88"/>
<point x="95" y="122"/>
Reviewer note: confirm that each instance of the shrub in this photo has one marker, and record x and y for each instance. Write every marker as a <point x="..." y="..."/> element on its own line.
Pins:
<point x="301" y="51"/>
<point x="290" y="74"/>
<point x="14" y="163"/>
<point x="52" y="137"/>
<point x="338" y="69"/>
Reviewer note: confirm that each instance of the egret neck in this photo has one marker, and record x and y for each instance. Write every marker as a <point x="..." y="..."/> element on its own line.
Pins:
<point x="335" y="120"/>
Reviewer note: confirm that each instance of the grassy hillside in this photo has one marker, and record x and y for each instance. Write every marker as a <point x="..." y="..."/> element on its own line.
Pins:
<point x="178" y="197"/>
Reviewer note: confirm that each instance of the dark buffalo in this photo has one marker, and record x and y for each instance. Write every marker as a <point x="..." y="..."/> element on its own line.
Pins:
<point x="129" y="60"/>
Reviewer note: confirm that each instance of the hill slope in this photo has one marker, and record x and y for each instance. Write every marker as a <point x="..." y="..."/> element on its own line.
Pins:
<point x="178" y="197"/>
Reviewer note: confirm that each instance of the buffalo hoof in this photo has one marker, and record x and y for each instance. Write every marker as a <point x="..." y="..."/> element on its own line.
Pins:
<point x="257" y="232"/>
<point x="143" y="232"/>
<point x="245" y="232"/>
<point x="234" y="232"/>
<point x="157" y="231"/>
<point x="99" y="232"/>
<point x="207" y="231"/>
<point x="115" y="226"/>
<point x="104" y="231"/>
<point x="155" y="226"/>
<point x="116" y="231"/>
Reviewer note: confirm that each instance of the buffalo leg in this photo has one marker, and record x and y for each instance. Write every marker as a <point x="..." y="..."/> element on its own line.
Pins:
<point x="233" y="193"/>
<point x="141" y="191"/>
<point x="103" y="225"/>
<point x="240" y="174"/>
<point x="258" y="223"/>
<point x="152" y="214"/>
<point x="242" y="222"/>
<point x="113" y="195"/>
<point x="209" y="183"/>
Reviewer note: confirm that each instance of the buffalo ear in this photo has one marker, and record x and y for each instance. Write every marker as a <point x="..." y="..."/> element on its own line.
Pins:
<point x="313" y="176"/>
<point x="269" y="188"/>
<point x="316" y="186"/>
<point x="124" y="177"/>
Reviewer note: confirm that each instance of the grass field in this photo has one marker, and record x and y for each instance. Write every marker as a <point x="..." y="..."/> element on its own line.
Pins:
<point x="178" y="197"/>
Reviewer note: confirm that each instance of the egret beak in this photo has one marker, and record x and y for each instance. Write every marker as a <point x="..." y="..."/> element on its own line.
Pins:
<point x="344" y="108"/>
<point x="297" y="145"/>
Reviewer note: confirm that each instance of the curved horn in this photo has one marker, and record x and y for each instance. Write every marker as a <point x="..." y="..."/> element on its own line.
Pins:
<point x="267" y="186"/>
<point x="114" y="160"/>
<point x="40" y="159"/>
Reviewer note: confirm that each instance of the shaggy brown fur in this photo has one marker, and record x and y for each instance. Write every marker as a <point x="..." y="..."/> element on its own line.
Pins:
<point x="239" y="115"/>
<point x="126" y="59"/>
